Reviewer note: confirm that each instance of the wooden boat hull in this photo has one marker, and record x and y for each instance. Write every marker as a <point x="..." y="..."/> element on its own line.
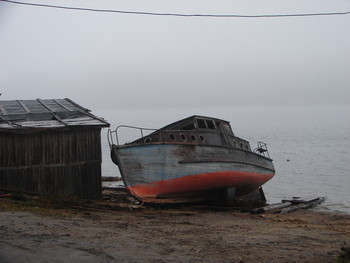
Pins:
<point x="168" y="173"/>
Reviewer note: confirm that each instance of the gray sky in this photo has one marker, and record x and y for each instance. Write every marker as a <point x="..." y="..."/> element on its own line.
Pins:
<point x="117" y="60"/>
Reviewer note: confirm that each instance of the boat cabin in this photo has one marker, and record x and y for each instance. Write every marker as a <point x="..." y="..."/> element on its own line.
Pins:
<point x="197" y="130"/>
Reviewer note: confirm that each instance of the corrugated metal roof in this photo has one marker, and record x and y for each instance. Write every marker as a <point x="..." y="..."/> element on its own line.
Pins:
<point x="46" y="113"/>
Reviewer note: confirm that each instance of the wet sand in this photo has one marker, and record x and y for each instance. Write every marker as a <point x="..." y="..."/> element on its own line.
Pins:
<point x="153" y="234"/>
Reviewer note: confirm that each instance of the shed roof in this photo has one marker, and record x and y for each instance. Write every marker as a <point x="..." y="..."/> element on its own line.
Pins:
<point x="46" y="114"/>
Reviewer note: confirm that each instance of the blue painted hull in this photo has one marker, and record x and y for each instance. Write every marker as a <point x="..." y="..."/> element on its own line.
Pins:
<point x="158" y="172"/>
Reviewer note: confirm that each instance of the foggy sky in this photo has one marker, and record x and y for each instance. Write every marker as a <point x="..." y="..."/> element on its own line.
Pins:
<point x="119" y="60"/>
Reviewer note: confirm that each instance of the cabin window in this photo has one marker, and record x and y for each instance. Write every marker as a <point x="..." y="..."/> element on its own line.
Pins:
<point x="211" y="124"/>
<point x="172" y="137"/>
<point x="227" y="128"/>
<point x="193" y="137"/>
<point x="201" y="124"/>
<point x="189" y="127"/>
<point x="201" y="138"/>
<point x="241" y="144"/>
<point x="183" y="137"/>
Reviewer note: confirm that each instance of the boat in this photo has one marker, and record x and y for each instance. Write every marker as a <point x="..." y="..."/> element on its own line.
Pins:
<point x="194" y="159"/>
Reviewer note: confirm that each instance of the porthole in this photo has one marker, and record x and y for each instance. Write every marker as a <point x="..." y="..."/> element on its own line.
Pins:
<point x="183" y="137"/>
<point x="148" y="140"/>
<point x="193" y="137"/>
<point x="172" y="137"/>
<point x="201" y="138"/>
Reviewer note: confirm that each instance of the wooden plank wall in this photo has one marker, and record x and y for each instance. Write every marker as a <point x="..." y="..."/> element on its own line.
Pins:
<point x="60" y="162"/>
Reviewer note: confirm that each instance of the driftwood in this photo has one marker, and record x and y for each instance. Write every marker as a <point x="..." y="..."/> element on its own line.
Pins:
<point x="271" y="207"/>
<point x="303" y="205"/>
<point x="290" y="205"/>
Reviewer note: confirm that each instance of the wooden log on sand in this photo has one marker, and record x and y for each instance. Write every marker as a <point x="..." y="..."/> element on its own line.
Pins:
<point x="271" y="207"/>
<point x="290" y="205"/>
<point x="303" y="205"/>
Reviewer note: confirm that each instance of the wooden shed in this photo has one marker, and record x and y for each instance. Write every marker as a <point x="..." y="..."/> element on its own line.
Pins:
<point x="50" y="147"/>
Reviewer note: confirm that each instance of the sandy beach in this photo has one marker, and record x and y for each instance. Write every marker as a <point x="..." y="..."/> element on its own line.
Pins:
<point x="100" y="232"/>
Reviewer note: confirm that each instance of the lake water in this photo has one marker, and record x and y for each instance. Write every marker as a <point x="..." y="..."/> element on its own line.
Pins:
<point x="310" y="145"/>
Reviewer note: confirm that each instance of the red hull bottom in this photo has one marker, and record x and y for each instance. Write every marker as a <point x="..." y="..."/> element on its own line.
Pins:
<point x="198" y="187"/>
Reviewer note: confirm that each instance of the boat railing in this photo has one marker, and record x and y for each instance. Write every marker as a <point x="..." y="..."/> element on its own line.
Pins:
<point x="116" y="135"/>
<point x="262" y="149"/>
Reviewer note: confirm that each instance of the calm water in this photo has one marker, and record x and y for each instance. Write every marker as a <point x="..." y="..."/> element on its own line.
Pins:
<point x="310" y="145"/>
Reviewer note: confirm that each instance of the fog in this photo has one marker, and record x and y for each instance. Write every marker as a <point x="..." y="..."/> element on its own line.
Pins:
<point x="110" y="60"/>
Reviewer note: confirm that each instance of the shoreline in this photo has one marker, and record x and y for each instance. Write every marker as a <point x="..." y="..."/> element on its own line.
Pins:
<point x="61" y="232"/>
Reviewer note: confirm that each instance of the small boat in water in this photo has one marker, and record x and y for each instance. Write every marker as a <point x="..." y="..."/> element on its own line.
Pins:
<point x="195" y="159"/>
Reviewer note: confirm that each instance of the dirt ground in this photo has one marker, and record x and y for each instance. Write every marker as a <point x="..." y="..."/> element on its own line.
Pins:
<point x="73" y="232"/>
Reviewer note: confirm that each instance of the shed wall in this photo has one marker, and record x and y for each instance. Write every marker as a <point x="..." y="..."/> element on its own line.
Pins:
<point x="59" y="162"/>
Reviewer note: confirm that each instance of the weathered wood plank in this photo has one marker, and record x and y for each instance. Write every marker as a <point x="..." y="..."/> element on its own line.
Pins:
<point x="2" y="110"/>
<point x="310" y="204"/>
<point x="63" y="162"/>
<point x="63" y="106"/>
<point x="271" y="207"/>
<point x="299" y="200"/>
<point x="24" y="106"/>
